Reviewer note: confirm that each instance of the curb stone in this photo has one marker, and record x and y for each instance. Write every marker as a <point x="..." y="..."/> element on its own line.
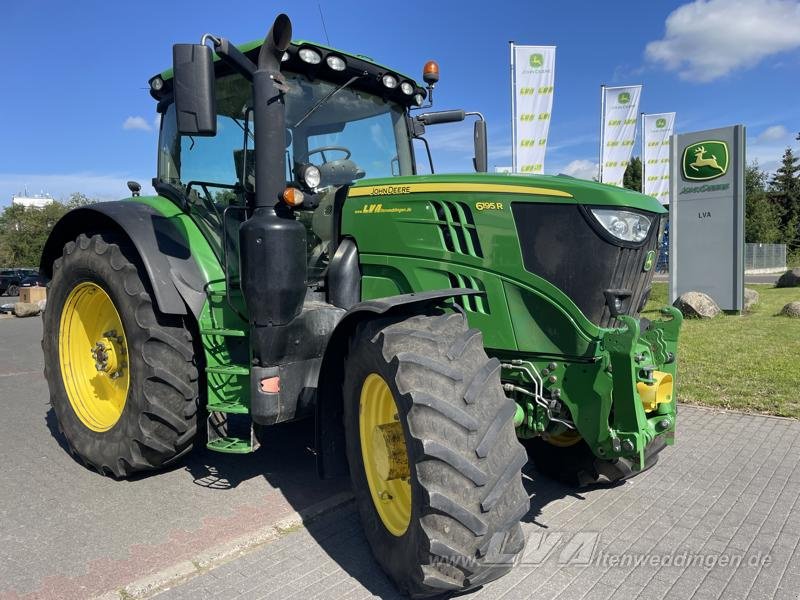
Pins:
<point x="207" y="560"/>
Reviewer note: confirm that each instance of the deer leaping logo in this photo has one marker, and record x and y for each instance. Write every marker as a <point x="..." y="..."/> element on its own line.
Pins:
<point x="705" y="160"/>
<point x="699" y="161"/>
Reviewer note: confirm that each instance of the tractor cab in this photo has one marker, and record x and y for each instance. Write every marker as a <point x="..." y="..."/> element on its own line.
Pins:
<point x="346" y="119"/>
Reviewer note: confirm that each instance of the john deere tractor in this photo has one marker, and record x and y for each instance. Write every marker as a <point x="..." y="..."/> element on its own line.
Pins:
<point x="442" y="330"/>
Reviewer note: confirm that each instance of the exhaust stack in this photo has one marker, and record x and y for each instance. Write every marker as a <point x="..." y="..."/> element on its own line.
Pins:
<point x="272" y="243"/>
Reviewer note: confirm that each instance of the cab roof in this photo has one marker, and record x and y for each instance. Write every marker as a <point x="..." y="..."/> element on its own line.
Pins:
<point x="356" y="64"/>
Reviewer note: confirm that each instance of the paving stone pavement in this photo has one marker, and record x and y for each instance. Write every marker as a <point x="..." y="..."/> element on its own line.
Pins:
<point x="718" y="517"/>
<point x="67" y="532"/>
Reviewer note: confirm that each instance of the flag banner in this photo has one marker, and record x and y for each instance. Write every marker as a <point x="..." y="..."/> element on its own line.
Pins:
<point x="620" y="112"/>
<point x="533" y="76"/>
<point x="656" y="131"/>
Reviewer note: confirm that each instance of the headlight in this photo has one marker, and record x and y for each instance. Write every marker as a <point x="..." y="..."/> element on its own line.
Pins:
<point x="407" y="88"/>
<point x="336" y="62"/>
<point x="622" y="224"/>
<point x="310" y="56"/>
<point x="418" y="99"/>
<point x="311" y="176"/>
<point x="390" y="81"/>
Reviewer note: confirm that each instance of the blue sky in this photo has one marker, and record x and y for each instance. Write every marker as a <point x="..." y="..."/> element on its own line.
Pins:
<point x="77" y="115"/>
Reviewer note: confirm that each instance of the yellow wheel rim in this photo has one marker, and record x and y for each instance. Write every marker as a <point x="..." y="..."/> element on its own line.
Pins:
<point x="385" y="456"/>
<point x="564" y="439"/>
<point x="93" y="355"/>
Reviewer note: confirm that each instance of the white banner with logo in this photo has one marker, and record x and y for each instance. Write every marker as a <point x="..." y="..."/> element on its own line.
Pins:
<point x="620" y="112"/>
<point x="533" y="76"/>
<point x="656" y="131"/>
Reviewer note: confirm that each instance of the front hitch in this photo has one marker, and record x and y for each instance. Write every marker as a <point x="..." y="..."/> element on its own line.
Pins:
<point x="643" y="370"/>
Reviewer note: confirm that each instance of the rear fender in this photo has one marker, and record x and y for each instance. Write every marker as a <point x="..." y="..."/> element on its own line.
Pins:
<point x="329" y="427"/>
<point x="175" y="277"/>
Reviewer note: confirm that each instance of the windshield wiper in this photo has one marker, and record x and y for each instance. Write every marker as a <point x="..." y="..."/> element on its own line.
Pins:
<point x="330" y="95"/>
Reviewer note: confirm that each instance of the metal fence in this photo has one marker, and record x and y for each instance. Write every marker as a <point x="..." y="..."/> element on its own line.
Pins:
<point x="764" y="256"/>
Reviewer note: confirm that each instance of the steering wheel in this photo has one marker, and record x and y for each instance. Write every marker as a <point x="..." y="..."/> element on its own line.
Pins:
<point x="323" y="149"/>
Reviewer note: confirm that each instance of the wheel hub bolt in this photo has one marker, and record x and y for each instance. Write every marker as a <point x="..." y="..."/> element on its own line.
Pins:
<point x="107" y="354"/>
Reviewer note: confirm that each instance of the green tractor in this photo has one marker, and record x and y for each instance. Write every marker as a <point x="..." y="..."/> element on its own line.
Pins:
<point x="441" y="329"/>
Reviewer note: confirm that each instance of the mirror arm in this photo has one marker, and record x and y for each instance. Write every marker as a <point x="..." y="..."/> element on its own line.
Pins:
<point x="428" y="150"/>
<point x="233" y="56"/>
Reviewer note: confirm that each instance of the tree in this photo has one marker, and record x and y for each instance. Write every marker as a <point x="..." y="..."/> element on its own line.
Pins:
<point x="762" y="215"/>
<point x="632" y="179"/>
<point x="24" y="230"/>
<point x="785" y="192"/>
<point x="76" y="200"/>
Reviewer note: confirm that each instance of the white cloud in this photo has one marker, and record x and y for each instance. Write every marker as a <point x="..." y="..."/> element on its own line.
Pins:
<point x="136" y="123"/>
<point x="774" y="133"/>
<point x="94" y="185"/>
<point x="582" y="169"/>
<point x="707" y="39"/>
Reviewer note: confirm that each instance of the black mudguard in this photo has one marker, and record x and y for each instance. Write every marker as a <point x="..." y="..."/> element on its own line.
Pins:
<point x="175" y="277"/>
<point x="329" y="428"/>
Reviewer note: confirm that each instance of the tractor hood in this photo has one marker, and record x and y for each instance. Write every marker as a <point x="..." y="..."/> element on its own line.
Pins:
<point x="520" y="238"/>
<point x="550" y="188"/>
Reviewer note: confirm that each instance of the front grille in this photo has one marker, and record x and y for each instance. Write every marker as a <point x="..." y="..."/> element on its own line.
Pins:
<point x="559" y="245"/>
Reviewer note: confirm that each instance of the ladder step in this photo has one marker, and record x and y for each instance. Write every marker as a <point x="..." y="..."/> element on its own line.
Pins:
<point x="229" y="370"/>
<point x="227" y="407"/>
<point x="223" y="332"/>
<point x="232" y="445"/>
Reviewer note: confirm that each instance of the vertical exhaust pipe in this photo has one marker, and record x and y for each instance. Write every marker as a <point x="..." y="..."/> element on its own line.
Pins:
<point x="272" y="242"/>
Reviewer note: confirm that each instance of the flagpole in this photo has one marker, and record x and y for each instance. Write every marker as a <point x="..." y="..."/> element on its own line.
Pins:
<point x="602" y="129"/>
<point x="513" y="110"/>
<point x="642" y="152"/>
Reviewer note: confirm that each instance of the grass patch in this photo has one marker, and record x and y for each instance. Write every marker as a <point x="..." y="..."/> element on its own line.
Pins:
<point x="749" y="363"/>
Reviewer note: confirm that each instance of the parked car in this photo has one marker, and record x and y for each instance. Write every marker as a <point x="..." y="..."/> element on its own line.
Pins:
<point x="36" y="280"/>
<point x="10" y="280"/>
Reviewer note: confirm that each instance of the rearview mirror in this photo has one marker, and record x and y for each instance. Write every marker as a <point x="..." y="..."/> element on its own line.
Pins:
<point x="193" y="85"/>
<point x="481" y="147"/>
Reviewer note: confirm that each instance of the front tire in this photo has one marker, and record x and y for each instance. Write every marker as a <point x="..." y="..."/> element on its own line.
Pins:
<point x="130" y="403"/>
<point x="447" y="518"/>
<point x="13" y="290"/>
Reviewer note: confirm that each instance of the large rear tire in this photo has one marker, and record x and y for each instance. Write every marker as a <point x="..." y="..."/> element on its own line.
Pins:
<point x="446" y="517"/>
<point x="122" y="378"/>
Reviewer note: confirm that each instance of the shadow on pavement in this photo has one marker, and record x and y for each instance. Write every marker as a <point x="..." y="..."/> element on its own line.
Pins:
<point x="287" y="463"/>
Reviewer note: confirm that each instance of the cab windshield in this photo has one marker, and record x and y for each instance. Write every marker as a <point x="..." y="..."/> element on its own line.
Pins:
<point x="353" y="135"/>
<point x="371" y="130"/>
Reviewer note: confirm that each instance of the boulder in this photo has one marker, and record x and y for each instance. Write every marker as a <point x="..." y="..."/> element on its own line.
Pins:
<point x="25" y="309"/>
<point x="750" y="299"/>
<point x="791" y="310"/>
<point x="697" y="305"/>
<point x="789" y="279"/>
